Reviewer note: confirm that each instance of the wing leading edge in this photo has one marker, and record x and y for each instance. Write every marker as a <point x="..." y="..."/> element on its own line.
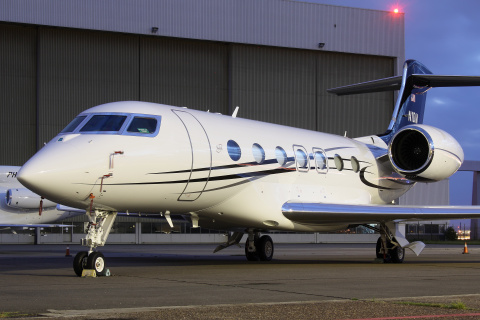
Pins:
<point x="324" y="213"/>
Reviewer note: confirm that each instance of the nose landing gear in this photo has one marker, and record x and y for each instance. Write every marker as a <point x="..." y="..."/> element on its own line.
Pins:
<point x="101" y="223"/>
<point x="80" y="262"/>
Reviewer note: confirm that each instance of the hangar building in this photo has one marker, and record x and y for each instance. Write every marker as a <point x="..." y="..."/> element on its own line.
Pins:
<point x="272" y="58"/>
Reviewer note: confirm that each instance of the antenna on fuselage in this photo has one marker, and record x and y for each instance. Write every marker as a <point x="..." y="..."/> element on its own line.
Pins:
<point x="234" y="114"/>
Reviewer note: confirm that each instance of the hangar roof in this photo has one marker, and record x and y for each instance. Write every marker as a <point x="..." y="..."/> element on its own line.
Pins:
<point x="281" y="23"/>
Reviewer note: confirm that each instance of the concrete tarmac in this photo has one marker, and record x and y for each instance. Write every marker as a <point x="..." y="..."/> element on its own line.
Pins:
<point x="322" y="281"/>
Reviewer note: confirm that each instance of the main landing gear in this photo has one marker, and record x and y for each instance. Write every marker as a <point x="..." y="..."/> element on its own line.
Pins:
<point x="388" y="248"/>
<point x="257" y="248"/>
<point x="101" y="223"/>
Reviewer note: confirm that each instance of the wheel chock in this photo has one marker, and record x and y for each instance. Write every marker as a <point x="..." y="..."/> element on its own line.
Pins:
<point x="378" y="260"/>
<point x="89" y="273"/>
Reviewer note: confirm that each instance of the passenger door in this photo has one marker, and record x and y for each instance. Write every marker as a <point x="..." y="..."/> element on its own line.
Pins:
<point x="201" y="156"/>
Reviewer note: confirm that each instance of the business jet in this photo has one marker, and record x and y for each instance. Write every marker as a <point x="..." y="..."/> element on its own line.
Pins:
<point x="21" y="208"/>
<point x="248" y="177"/>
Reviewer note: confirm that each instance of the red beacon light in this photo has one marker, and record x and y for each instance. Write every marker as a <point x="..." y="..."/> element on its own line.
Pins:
<point x="395" y="10"/>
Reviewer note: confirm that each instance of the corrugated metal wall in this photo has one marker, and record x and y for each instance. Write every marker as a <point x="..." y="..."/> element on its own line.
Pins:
<point x="427" y="194"/>
<point x="274" y="84"/>
<point x="280" y="23"/>
<point x="78" y="69"/>
<point x="289" y="87"/>
<point x="17" y="93"/>
<point x="186" y="73"/>
<point x="359" y="115"/>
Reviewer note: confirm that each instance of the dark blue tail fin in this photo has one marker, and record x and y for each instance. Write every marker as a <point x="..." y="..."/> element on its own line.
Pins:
<point x="410" y="105"/>
<point x="414" y="83"/>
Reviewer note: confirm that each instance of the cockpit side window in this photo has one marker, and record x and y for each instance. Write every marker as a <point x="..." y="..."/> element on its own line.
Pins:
<point x="102" y="123"/>
<point x="74" y="124"/>
<point x="142" y="125"/>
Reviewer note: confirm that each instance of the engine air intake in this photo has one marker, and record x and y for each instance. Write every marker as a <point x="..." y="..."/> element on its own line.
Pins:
<point x="411" y="151"/>
<point x="424" y="153"/>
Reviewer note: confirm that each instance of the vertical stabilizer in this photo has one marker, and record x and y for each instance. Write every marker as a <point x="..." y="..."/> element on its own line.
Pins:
<point x="413" y="85"/>
<point x="410" y="105"/>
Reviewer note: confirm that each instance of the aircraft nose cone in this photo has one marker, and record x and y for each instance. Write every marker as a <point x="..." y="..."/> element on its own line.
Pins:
<point x="34" y="176"/>
<point x="58" y="175"/>
<point x="29" y="178"/>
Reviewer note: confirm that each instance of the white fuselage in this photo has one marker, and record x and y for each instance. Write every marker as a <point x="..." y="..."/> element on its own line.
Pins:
<point x="191" y="167"/>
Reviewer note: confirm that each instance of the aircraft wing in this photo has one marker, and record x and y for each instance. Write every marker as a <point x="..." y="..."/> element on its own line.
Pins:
<point x="324" y="213"/>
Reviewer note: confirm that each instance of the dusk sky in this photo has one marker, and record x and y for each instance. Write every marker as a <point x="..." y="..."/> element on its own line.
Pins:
<point x="445" y="36"/>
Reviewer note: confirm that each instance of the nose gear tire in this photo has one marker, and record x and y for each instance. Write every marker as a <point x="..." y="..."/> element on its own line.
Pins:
<point x="80" y="262"/>
<point x="96" y="261"/>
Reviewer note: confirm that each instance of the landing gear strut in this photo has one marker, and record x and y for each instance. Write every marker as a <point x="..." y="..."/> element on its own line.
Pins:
<point x="101" y="223"/>
<point x="258" y="248"/>
<point x="388" y="248"/>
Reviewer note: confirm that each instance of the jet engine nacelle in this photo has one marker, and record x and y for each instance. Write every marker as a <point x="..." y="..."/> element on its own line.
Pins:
<point x="22" y="198"/>
<point x="425" y="153"/>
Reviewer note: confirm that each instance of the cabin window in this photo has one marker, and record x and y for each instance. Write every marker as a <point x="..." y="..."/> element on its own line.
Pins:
<point x="74" y="124"/>
<point x="355" y="164"/>
<point x="104" y="123"/>
<point x="338" y="162"/>
<point x="301" y="158"/>
<point x="142" y="125"/>
<point x="281" y="156"/>
<point x="258" y="153"/>
<point x="234" y="150"/>
<point x="320" y="160"/>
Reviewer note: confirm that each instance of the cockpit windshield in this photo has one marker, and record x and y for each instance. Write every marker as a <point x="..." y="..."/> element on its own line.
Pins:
<point x="115" y="123"/>
<point x="104" y="122"/>
<point x="74" y="124"/>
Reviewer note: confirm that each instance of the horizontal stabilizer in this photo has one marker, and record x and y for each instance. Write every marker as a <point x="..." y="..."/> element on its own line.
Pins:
<point x="436" y="81"/>
<point x="387" y="84"/>
<point x="322" y="213"/>
<point x="415" y="80"/>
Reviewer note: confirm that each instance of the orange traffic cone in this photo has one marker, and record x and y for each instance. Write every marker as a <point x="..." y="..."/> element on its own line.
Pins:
<point x="465" y="249"/>
<point x="67" y="252"/>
